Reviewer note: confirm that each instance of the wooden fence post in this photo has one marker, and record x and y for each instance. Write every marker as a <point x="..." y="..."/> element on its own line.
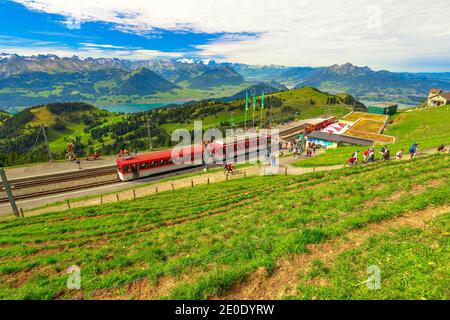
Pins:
<point x="208" y="180"/>
<point x="101" y="199"/>
<point x="117" y="196"/>
<point x="285" y="171"/>
<point x="173" y="187"/>
<point x="9" y="193"/>
<point x="134" y="194"/>
<point x="21" y="212"/>
<point x="226" y="177"/>
<point x="192" y="183"/>
<point x="156" y="189"/>
<point x="68" y="203"/>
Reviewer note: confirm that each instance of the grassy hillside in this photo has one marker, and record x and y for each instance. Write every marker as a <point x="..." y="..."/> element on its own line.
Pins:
<point x="196" y="242"/>
<point x="3" y="115"/>
<point x="413" y="263"/>
<point x="427" y="126"/>
<point x="21" y="139"/>
<point x="300" y="103"/>
<point x="95" y="129"/>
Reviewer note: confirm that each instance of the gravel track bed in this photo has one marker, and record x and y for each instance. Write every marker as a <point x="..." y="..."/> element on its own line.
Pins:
<point x="62" y="184"/>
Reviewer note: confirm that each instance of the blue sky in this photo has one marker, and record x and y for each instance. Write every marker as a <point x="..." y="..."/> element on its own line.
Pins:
<point x="400" y="35"/>
<point x="33" y="32"/>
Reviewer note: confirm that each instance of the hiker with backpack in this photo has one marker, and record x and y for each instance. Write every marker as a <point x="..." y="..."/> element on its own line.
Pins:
<point x="353" y="159"/>
<point x="413" y="150"/>
<point x="441" y="148"/>
<point x="382" y="151"/>
<point x="371" y="155"/>
<point x="386" y="155"/>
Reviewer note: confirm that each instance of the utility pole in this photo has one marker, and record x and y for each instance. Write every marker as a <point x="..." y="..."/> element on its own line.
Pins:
<point x="149" y="133"/>
<point x="7" y="188"/>
<point x="231" y="120"/>
<point x="50" y="158"/>
<point x="270" y="120"/>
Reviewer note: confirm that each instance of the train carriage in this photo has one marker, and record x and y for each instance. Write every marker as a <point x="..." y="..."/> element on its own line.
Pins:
<point x="144" y="165"/>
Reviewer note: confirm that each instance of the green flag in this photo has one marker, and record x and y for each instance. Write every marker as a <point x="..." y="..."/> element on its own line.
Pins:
<point x="246" y="100"/>
<point x="262" y="100"/>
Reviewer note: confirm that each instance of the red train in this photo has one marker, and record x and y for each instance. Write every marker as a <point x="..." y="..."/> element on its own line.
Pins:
<point x="144" y="165"/>
<point x="319" y="126"/>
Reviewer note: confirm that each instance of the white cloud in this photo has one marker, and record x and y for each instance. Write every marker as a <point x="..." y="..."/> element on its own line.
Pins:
<point x="381" y="34"/>
<point x="29" y="47"/>
<point x="95" y="45"/>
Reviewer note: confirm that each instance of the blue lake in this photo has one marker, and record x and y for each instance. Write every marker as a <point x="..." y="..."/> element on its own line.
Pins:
<point x="135" y="107"/>
<point x="401" y="106"/>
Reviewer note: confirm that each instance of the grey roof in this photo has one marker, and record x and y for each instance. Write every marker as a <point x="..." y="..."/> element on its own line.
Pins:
<point x="339" y="138"/>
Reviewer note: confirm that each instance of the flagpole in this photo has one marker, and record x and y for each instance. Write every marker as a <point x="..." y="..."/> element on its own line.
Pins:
<point x="262" y="107"/>
<point x="254" y="106"/>
<point x="245" y="119"/>
<point x="246" y="108"/>
<point x="253" y="118"/>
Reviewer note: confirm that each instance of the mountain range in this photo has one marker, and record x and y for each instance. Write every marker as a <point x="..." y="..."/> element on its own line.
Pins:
<point x="26" y="81"/>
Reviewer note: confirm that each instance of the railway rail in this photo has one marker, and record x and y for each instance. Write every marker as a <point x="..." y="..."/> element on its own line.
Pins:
<point x="155" y="177"/>
<point x="23" y="183"/>
<point x="60" y="190"/>
<point x="39" y="181"/>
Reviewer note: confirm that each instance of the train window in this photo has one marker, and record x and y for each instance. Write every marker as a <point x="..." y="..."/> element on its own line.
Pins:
<point x="144" y="165"/>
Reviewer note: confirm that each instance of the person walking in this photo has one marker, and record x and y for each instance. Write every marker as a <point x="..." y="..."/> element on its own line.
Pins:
<point x="382" y="151"/>
<point x="387" y="155"/>
<point x="371" y="155"/>
<point x="441" y="148"/>
<point x="413" y="149"/>
<point x="365" y="155"/>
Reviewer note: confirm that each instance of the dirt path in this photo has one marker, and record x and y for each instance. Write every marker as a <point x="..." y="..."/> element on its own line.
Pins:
<point x="284" y="280"/>
<point x="213" y="177"/>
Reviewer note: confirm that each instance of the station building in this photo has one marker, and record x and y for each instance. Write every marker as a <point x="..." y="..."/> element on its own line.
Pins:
<point x="386" y="108"/>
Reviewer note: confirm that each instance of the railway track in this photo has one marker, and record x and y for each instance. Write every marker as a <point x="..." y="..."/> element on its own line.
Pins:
<point x="155" y="177"/>
<point x="72" y="176"/>
<point x="46" y="180"/>
<point x="60" y="177"/>
<point x="60" y="190"/>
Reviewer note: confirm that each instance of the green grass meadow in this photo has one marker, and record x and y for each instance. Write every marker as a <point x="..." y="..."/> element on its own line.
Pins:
<point x="210" y="237"/>
<point x="413" y="264"/>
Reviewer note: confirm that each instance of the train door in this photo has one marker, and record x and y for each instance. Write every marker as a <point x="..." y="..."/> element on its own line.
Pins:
<point x="135" y="171"/>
